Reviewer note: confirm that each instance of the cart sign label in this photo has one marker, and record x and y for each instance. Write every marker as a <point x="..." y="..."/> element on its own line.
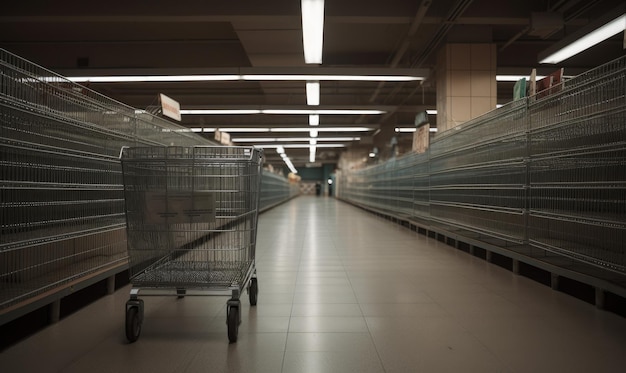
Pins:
<point x="179" y="207"/>
<point x="171" y="108"/>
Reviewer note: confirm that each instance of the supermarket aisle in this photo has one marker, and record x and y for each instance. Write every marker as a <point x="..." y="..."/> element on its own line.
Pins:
<point x="344" y="291"/>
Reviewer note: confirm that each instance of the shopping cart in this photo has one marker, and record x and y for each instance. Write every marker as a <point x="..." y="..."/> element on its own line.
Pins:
<point x="191" y="225"/>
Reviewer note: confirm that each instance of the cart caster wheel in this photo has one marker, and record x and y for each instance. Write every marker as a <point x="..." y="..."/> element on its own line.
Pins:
<point x="253" y="291"/>
<point x="133" y="324"/>
<point x="233" y="323"/>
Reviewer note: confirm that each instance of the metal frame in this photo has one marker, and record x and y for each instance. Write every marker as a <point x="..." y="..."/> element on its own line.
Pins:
<point x="547" y="172"/>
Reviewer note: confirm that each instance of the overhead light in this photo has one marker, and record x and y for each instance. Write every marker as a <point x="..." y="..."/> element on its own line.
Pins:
<point x="313" y="30"/>
<point x="321" y="129"/>
<point x="515" y="78"/>
<point x="312" y="150"/>
<point x="312" y="132"/>
<point x="413" y="129"/>
<point x="292" y="139"/>
<point x="314" y="120"/>
<point x="298" y="146"/>
<point x="235" y="77"/>
<point x="587" y="41"/>
<point x="322" y="111"/>
<point x="431" y="112"/>
<point x="153" y="78"/>
<point x="279" y="149"/>
<point x="312" y="142"/>
<point x="326" y="77"/>
<point x="281" y="111"/>
<point x="290" y="165"/>
<point x="313" y="93"/>
<point x="220" y="111"/>
<point x="372" y="154"/>
<point x="245" y="129"/>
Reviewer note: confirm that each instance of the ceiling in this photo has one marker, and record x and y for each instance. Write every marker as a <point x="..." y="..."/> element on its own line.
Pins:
<point x="79" y="38"/>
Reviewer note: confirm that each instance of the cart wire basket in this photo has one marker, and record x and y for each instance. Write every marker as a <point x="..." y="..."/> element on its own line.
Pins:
<point x="191" y="225"/>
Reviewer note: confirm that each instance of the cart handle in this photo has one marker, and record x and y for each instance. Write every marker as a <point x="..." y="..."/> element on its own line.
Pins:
<point x="122" y="150"/>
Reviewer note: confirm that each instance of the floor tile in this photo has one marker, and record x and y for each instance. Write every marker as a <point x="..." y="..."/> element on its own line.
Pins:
<point x="341" y="290"/>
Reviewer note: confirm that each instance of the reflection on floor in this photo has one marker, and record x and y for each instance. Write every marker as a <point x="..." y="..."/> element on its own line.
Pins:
<point x="341" y="290"/>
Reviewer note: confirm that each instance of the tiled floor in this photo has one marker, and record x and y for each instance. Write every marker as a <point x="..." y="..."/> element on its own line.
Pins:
<point x="344" y="291"/>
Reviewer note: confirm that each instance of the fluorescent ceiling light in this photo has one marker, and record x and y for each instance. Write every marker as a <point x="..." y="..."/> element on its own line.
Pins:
<point x="290" y="165"/>
<point x="280" y="150"/>
<point x="322" y="111"/>
<point x="313" y="93"/>
<point x="357" y="78"/>
<point x="312" y="150"/>
<point x="598" y="35"/>
<point x="298" y="146"/>
<point x="219" y="111"/>
<point x="152" y="78"/>
<point x="322" y="129"/>
<point x="372" y="154"/>
<point x="313" y="142"/>
<point x="233" y="77"/>
<point x="412" y="129"/>
<point x="244" y="129"/>
<point x="313" y="30"/>
<point x="285" y="129"/>
<point x="431" y="112"/>
<point x="280" y="111"/>
<point x="515" y="78"/>
<point x="314" y="120"/>
<point x="292" y="139"/>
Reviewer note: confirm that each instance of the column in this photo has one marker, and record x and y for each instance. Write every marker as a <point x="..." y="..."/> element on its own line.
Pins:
<point x="466" y="83"/>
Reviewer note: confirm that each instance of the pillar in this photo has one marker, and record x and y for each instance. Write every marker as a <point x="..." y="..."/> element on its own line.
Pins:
<point x="466" y="83"/>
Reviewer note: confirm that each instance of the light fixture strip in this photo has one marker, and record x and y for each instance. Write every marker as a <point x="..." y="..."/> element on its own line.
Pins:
<point x="594" y="37"/>
<point x="281" y="111"/>
<point x="313" y="93"/>
<point x="357" y="78"/>
<point x="314" y="120"/>
<point x="285" y="129"/>
<point x="235" y="77"/>
<point x="313" y="30"/>
<point x="290" y="165"/>
<point x="298" y="146"/>
<point x="515" y="78"/>
<point x="293" y="139"/>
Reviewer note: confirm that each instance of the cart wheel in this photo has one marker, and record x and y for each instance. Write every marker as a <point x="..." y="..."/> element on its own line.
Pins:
<point x="233" y="323"/>
<point x="133" y="324"/>
<point x="253" y="291"/>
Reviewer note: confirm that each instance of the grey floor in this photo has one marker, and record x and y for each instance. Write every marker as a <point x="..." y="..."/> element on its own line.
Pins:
<point x="344" y="291"/>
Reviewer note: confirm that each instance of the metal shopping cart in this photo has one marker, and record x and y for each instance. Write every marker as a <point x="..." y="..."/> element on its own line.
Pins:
<point x="191" y="225"/>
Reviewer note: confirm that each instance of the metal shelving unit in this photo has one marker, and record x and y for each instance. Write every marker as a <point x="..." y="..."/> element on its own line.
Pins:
<point x="543" y="174"/>
<point x="62" y="224"/>
<point x="275" y="190"/>
<point x="577" y="168"/>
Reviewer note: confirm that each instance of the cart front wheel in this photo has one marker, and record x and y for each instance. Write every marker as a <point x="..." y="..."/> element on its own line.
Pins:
<point x="233" y="323"/>
<point x="253" y="291"/>
<point x="133" y="324"/>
